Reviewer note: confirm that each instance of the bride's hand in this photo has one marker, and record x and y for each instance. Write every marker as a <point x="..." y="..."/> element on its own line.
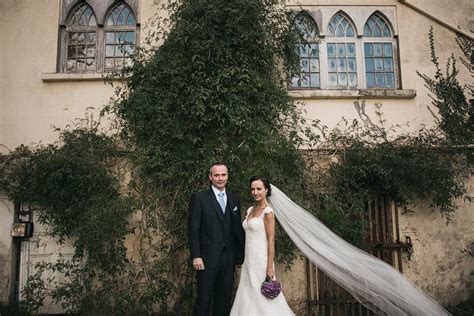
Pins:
<point x="270" y="272"/>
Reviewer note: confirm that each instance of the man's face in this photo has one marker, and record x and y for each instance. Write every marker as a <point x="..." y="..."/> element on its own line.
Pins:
<point x="218" y="176"/>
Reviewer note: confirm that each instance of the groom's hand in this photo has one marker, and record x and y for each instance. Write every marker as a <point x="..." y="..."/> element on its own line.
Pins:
<point x="198" y="264"/>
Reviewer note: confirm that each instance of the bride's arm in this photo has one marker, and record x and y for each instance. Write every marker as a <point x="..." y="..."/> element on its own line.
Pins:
<point x="269" y="221"/>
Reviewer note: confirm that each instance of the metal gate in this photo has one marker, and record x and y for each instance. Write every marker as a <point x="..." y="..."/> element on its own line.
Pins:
<point x="325" y="296"/>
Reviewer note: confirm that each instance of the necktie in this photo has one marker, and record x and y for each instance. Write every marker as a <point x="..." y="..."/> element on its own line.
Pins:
<point x="221" y="201"/>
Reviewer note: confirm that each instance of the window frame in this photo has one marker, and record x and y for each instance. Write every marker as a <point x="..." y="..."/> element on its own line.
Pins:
<point x="323" y="17"/>
<point x="101" y="10"/>
<point x="116" y="28"/>
<point x="339" y="40"/>
<point x="310" y="39"/>
<point x="67" y="29"/>
<point x="392" y="40"/>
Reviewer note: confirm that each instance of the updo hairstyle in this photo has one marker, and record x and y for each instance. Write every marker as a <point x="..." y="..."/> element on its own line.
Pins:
<point x="265" y="182"/>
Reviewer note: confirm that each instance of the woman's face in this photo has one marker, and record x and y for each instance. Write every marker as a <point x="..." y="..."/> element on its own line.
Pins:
<point x="258" y="190"/>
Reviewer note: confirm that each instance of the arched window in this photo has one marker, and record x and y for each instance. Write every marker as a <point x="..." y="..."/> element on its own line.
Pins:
<point x="308" y="51"/>
<point x="119" y="36"/>
<point x="96" y="37"/>
<point x="341" y="50"/>
<point x="377" y="26"/>
<point x="81" y="46"/>
<point x="121" y="15"/>
<point x="379" y="53"/>
<point x="305" y="24"/>
<point x="339" y="26"/>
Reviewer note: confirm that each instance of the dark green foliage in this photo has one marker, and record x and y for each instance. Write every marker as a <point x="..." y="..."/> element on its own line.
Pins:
<point x="453" y="100"/>
<point x="13" y="310"/>
<point x="72" y="186"/>
<point x="355" y="164"/>
<point x="345" y="214"/>
<point x="93" y="292"/>
<point x="407" y="168"/>
<point x="213" y="91"/>
<point x="465" y="308"/>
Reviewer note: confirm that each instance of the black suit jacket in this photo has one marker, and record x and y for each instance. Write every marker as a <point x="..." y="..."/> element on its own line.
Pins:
<point x="206" y="224"/>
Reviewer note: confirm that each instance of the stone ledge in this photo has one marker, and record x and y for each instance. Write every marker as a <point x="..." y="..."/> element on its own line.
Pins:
<point x="353" y="94"/>
<point x="62" y="76"/>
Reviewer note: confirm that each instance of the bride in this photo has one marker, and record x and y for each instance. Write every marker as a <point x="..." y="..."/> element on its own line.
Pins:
<point x="259" y="226"/>
<point x="371" y="281"/>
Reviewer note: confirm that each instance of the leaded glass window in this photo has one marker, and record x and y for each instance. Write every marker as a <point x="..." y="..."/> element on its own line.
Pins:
<point x="379" y="54"/>
<point x="341" y="52"/>
<point x="121" y="15"/>
<point x="308" y="51"/>
<point x="343" y="59"/>
<point x="97" y="38"/>
<point x="342" y="65"/>
<point x="119" y="37"/>
<point x="339" y="26"/>
<point x="376" y="26"/>
<point x="379" y="68"/>
<point x="81" y="47"/>
<point x="309" y="76"/>
<point x="83" y="16"/>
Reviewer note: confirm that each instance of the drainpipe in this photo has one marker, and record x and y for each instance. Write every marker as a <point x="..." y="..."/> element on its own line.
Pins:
<point x="439" y="21"/>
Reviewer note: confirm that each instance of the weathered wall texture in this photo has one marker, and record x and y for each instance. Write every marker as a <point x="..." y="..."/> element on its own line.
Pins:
<point x="30" y="105"/>
<point x="5" y="271"/>
<point x="412" y="29"/>
<point x="443" y="252"/>
<point x="442" y="263"/>
<point x="6" y="218"/>
<point x="294" y="285"/>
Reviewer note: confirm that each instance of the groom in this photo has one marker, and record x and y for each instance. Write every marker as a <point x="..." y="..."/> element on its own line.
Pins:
<point x="216" y="239"/>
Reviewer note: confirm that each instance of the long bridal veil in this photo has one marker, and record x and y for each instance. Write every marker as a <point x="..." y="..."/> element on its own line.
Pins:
<point x="371" y="281"/>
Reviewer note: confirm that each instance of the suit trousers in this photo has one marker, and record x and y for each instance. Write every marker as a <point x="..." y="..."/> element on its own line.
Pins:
<point x="215" y="286"/>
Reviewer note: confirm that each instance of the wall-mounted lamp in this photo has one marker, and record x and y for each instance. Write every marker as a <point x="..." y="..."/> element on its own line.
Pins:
<point x="23" y="225"/>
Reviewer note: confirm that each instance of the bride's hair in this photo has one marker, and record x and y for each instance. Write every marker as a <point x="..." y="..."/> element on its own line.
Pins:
<point x="265" y="182"/>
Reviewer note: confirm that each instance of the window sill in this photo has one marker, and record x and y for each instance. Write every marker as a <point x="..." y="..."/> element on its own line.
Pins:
<point x="354" y="93"/>
<point x="63" y="76"/>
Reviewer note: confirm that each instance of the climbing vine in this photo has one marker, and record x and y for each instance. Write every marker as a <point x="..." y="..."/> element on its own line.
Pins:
<point x="453" y="100"/>
<point x="213" y="90"/>
<point x="369" y="162"/>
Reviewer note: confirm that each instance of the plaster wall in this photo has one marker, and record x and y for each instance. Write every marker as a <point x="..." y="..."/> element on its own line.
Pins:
<point x="414" y="55"/>
<point x="442" y="262"/>
<point x="294" y="284"/>
<point x="6" y="248"/>
<point x="30" y="106"/>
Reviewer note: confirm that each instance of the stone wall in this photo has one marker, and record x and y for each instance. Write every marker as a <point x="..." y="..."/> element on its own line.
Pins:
<point x="442" y="262"/>
<point x="6" y="279"/>
<point x="33" y="99"/>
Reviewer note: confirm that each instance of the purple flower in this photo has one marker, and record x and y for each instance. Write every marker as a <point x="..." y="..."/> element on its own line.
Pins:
<point x="270" y="288"/>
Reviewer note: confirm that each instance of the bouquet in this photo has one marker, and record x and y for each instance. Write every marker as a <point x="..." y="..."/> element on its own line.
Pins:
<point x="270" y="288"/>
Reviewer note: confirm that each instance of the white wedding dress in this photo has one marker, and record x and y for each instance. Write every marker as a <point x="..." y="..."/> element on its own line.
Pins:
<point x="248" y="300"/>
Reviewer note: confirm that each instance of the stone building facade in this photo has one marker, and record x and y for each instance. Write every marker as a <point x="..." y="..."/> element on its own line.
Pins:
<point x="55" y="53"/>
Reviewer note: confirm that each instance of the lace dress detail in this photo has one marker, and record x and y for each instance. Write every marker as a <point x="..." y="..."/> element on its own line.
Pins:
<point x="248" y="300"/>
